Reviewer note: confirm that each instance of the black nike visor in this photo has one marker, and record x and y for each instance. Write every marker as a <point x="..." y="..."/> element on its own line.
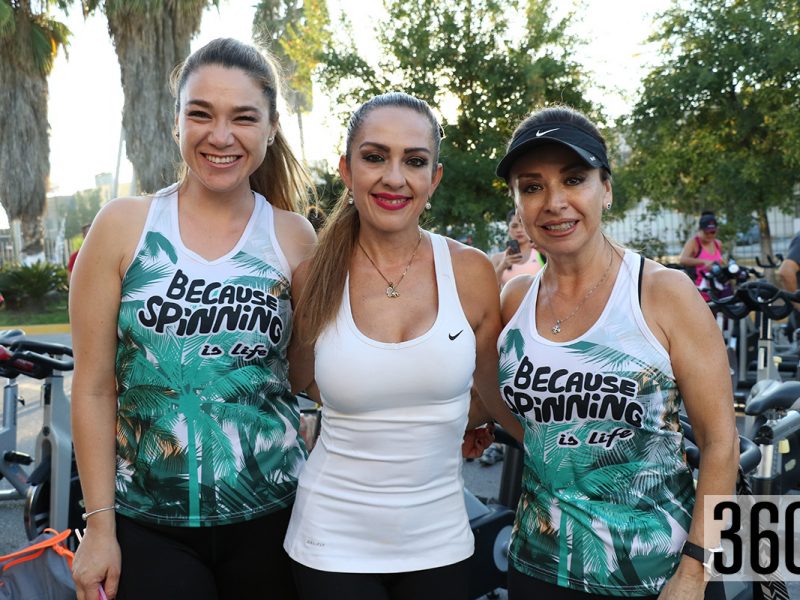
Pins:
<point x="584" y="144"/>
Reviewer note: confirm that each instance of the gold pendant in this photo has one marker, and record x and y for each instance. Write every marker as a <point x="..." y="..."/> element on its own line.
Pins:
<point x="557" y="327"/>
<point x="391" y="292"/>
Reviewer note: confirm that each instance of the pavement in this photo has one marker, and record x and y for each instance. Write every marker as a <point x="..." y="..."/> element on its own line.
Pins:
<point x="29" y="416"/>
<point x="482" y="480"/>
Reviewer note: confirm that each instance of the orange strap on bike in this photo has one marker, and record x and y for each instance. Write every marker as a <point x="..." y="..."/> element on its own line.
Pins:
<point x="34" y="551"/>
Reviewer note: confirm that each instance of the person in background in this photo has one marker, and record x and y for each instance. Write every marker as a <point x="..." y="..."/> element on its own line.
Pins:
<point x="599" y="352"/>
<point x="788" y="279"/>
<point x="509" y="264"/>
<point x="393" y="325"/>
<point x="73" y="257"/>
<point x="186" y="432"/>
<point x="702" y="250"/>
<point x="527" y="261"/>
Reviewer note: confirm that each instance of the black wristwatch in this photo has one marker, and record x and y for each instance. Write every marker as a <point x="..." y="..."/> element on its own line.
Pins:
<point x="704" y="556"/>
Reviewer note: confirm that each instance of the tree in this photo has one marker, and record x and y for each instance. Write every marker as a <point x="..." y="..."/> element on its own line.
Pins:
<point x="716" y="126"/>
<point x="29" y="42"/>
<point x="464" y="52"/>
<point x="150" y="37"/>
<point x="296" y="33"/>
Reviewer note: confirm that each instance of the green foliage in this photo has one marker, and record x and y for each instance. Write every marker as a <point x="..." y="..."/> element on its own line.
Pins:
<point x="31" y="287"/>
<point x="40" y="37"/>
<point x="464" y="53"/>
<point x="295" y="32"/>
<point x="329" y="185"/>
<point x="87" y="204"/>
<point x="716" y="127"/>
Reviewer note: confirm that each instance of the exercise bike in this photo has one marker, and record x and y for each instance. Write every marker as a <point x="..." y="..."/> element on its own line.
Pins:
<point x="773" y="420"/>
<point x="51" y="489"/>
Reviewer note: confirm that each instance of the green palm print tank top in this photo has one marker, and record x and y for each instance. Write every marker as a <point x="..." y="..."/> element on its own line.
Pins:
<point x="207" y="428"/>
<point x="607" y="496"/>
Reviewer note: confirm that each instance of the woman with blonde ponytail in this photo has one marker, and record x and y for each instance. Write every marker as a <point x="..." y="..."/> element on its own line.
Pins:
<point x="392" y="324"/>
<point x="186" y="431"/>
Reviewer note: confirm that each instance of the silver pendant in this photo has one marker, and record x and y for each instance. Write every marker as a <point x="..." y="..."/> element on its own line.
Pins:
<point x="557" y="327"/>
<point x="391" y="292"/>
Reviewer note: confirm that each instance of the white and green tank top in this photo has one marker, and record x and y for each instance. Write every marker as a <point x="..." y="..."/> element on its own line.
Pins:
<point x="607" y="496"/>
<point x="207" y="429"/>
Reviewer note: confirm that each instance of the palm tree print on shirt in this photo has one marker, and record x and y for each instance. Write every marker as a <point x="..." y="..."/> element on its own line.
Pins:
<point x="600" y="519"/>
<point x="200" y="438"/>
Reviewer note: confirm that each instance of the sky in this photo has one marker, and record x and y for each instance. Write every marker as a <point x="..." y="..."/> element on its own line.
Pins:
<point x="85" y="103"/>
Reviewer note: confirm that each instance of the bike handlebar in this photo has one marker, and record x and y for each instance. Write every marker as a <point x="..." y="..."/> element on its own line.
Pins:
<point x="34" y="359"/>
<point x="771" y="264"/>
<point x="758" y="295"/>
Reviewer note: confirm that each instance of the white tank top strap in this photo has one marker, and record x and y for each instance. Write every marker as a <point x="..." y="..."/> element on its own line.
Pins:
<point x="445" y="276"/>
<point x="269" y="217"/>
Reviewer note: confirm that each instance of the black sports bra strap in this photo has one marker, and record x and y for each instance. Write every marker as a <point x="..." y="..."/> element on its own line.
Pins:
<point x="641" y="272"/>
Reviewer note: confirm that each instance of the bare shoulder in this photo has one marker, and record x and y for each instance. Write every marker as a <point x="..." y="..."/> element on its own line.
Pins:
<point x="469" y="260"/>
<point x="119" y="224"/>
<point x="512" y="295"/>
<point x="294" y="222"/>
<point x="296" y="236"/>
<point x="671" y="302"/>
<point x="660" y="283"/>
<point x="497" y="258"/>
<point x="475" y="281"/>
<point x="123" y="210"/>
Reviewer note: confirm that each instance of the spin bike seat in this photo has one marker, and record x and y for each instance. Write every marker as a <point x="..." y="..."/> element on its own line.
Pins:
<point x="780" y="397"/>
<point x="9" y="336"/>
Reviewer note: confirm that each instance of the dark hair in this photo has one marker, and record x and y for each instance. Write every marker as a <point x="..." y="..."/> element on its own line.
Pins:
<point x="395" y="100"/>
<point x="316" y="216"/>
<point x="322" y="295"/>
<point x="561" y="114"/>
<point x="280" y="178"/>
<point x="511" y="214"/>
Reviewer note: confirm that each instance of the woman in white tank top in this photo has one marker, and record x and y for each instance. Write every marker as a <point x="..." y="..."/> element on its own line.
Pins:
<point x="598" y="352"/>
<point x="392" y="323"/>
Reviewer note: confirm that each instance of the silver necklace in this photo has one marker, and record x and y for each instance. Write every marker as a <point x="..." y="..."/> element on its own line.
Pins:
<point x="556" y="329"/>
<point x="391" y="291"/>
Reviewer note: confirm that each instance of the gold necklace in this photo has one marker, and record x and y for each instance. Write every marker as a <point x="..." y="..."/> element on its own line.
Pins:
<point x="556" y="329"/>
<point x="391" y="291"/>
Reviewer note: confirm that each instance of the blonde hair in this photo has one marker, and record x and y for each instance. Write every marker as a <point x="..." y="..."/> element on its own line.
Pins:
<point x="322" y="295"/>
<point x="281" y="178"/>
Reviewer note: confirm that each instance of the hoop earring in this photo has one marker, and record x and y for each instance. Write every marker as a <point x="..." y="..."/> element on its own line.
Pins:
<point x="270" y="139"/>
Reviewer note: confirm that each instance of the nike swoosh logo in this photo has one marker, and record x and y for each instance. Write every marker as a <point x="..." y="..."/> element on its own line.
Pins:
<point x="541" y="133"/>
<point x="452" y="337"/>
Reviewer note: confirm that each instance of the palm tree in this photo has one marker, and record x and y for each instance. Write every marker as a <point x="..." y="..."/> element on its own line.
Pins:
<point x="296" y="33"/>
<point x="29" y="42"/>
<point x="150" y="38"/>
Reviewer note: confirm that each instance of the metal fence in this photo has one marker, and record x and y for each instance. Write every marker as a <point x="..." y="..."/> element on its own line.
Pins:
<point x="662" y="234"/>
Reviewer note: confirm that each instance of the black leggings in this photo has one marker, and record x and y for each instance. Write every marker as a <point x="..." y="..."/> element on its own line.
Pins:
<point x="442" y="583"/>
<point x="243" y="560"/>
<point x="522" y="587"/>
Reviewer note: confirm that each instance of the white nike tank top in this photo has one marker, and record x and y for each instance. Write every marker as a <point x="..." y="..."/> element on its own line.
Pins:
<point x="382" y="491"/>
